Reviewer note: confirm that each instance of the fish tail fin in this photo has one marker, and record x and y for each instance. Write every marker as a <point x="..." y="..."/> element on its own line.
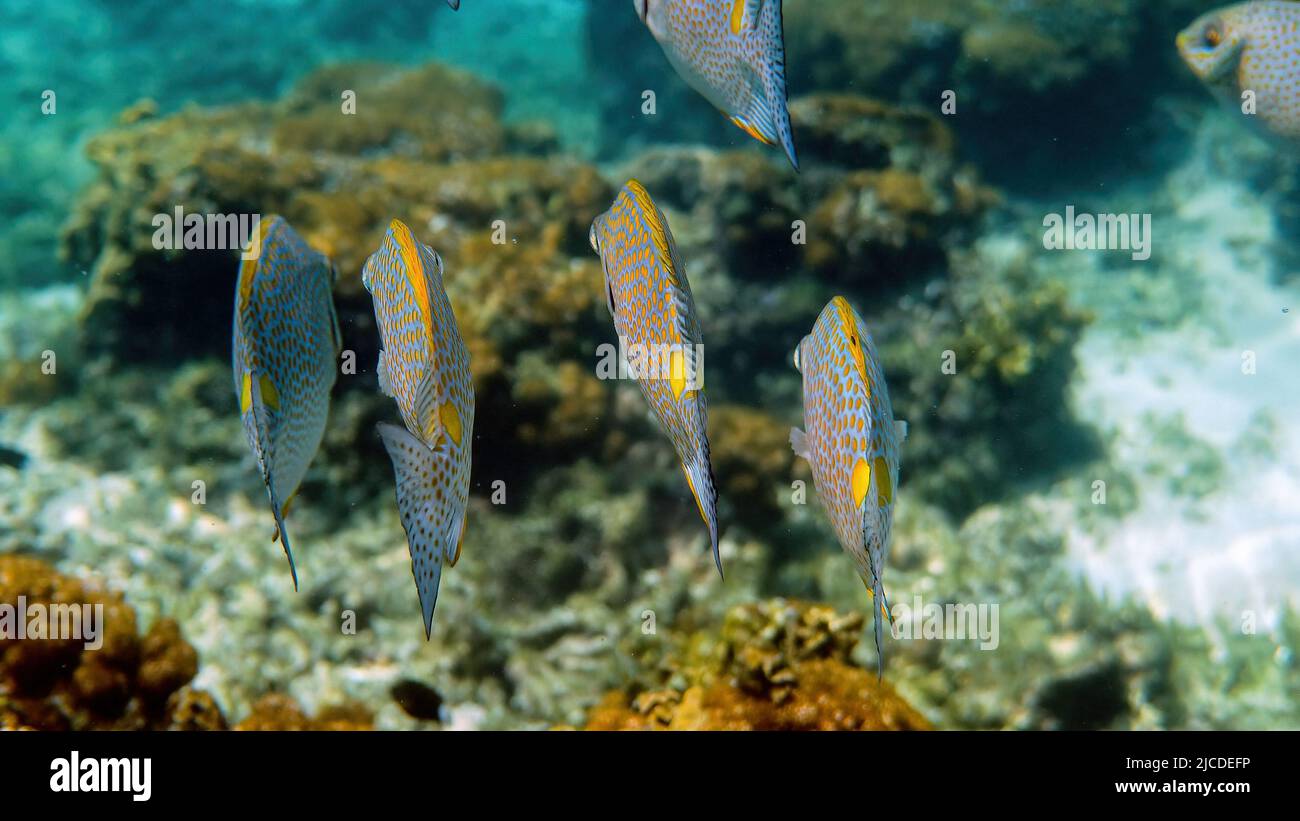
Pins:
<point x="771" y="26"/>
<point x="257" y="424"/>
<point x="414" y="465"/>
<point x="699" y="475"/>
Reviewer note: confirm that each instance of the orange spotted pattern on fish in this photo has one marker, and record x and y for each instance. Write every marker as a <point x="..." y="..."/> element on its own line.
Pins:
<point x="424" y="366"/>
<point x="851" y="441"/>
<point x="650" y="301"/>
<point x="1251" y="47"/>
<point x="733" y="53"/>
<point x="285" y="340"/>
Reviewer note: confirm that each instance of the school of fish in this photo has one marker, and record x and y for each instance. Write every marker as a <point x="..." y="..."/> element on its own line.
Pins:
<point x="286" y="339"/>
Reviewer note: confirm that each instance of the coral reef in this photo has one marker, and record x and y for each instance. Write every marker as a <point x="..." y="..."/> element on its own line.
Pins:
<point x="57" y="683"/>
<point x="436" y="162"/>
<point x="131" y="682"/>
<point x="775" y="665"/>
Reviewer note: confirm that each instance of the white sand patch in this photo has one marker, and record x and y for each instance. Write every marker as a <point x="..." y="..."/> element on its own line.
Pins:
<point x="1237" y="549"/>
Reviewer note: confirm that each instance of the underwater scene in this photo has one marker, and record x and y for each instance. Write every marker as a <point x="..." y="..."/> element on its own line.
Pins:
<point x="649" y="364"/>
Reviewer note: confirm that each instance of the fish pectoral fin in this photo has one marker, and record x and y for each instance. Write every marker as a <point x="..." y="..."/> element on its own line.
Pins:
<point x="385" y="381"/>
<point x="422" y="475"/>
<point x="900" y="427"/>
<point x="799" y="444"/>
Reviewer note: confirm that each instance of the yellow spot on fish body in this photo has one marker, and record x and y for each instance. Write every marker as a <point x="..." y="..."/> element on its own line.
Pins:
<point x="861" y="480"/>
<point x="270" y="396"/>
<point x="246" y="393"/>
<point x="451" y="421"/>
<point x="677" y="373"/>
<point x="884" y="486"/>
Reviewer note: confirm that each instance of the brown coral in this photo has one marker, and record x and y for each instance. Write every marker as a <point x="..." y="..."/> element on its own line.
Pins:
<point x="777" y="665"/>
<point x="280" y="712"/>
<point x="61" y="683"/>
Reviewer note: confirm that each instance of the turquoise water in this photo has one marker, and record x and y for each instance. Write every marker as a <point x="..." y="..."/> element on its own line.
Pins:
<point x="1102" y="442"/>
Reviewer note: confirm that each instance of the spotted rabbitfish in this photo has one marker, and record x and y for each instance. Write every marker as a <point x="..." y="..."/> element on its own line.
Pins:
<point x="851" y="442"/>
<point x="732" y="52"/>
<point x="424" y="366"/>
<point x="285" y="343"/>
<point x="1251" y="50"/>
<point x="654" y="313"/>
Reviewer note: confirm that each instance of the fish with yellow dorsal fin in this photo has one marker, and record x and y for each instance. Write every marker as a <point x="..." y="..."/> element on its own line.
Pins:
<point x="733" y="53"/>
<point x="424" y="366"/>
<point x="851" y="442"/>
<point x="284" y="343"/>
<point x="650" y="300"/>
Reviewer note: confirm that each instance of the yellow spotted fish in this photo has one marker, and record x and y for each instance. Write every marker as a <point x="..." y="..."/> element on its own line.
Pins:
<point x="650" y="300"/>
<point x="424" y="365"/>
<point x="1251" y="47"/>
<point x="851" y="441"/>
<point x="733" y="53"/>
<point x="284" y="346"/>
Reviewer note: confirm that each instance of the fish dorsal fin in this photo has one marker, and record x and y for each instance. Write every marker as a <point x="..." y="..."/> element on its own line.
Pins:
<point x="853" y="337"/>
<point x="423" y="269"/>
<point x="657" y="224"/>
<point x="686" y="320"/>
<point x="423" y="477"/>
<point x="257" y="398"/>
<point x="744" y="15"/>
<point x="413" y="267"/>
<point x="254" y="251"/>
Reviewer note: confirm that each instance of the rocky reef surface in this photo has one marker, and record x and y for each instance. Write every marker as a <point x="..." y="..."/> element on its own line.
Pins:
<point x="585" y="596"/>
<point x="126" y="681"/>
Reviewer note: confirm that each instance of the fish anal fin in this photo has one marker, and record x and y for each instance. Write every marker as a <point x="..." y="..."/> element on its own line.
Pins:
<point x="416" y="469"/>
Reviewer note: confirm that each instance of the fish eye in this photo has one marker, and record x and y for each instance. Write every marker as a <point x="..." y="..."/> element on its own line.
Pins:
<point x="1213" y="36"/>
